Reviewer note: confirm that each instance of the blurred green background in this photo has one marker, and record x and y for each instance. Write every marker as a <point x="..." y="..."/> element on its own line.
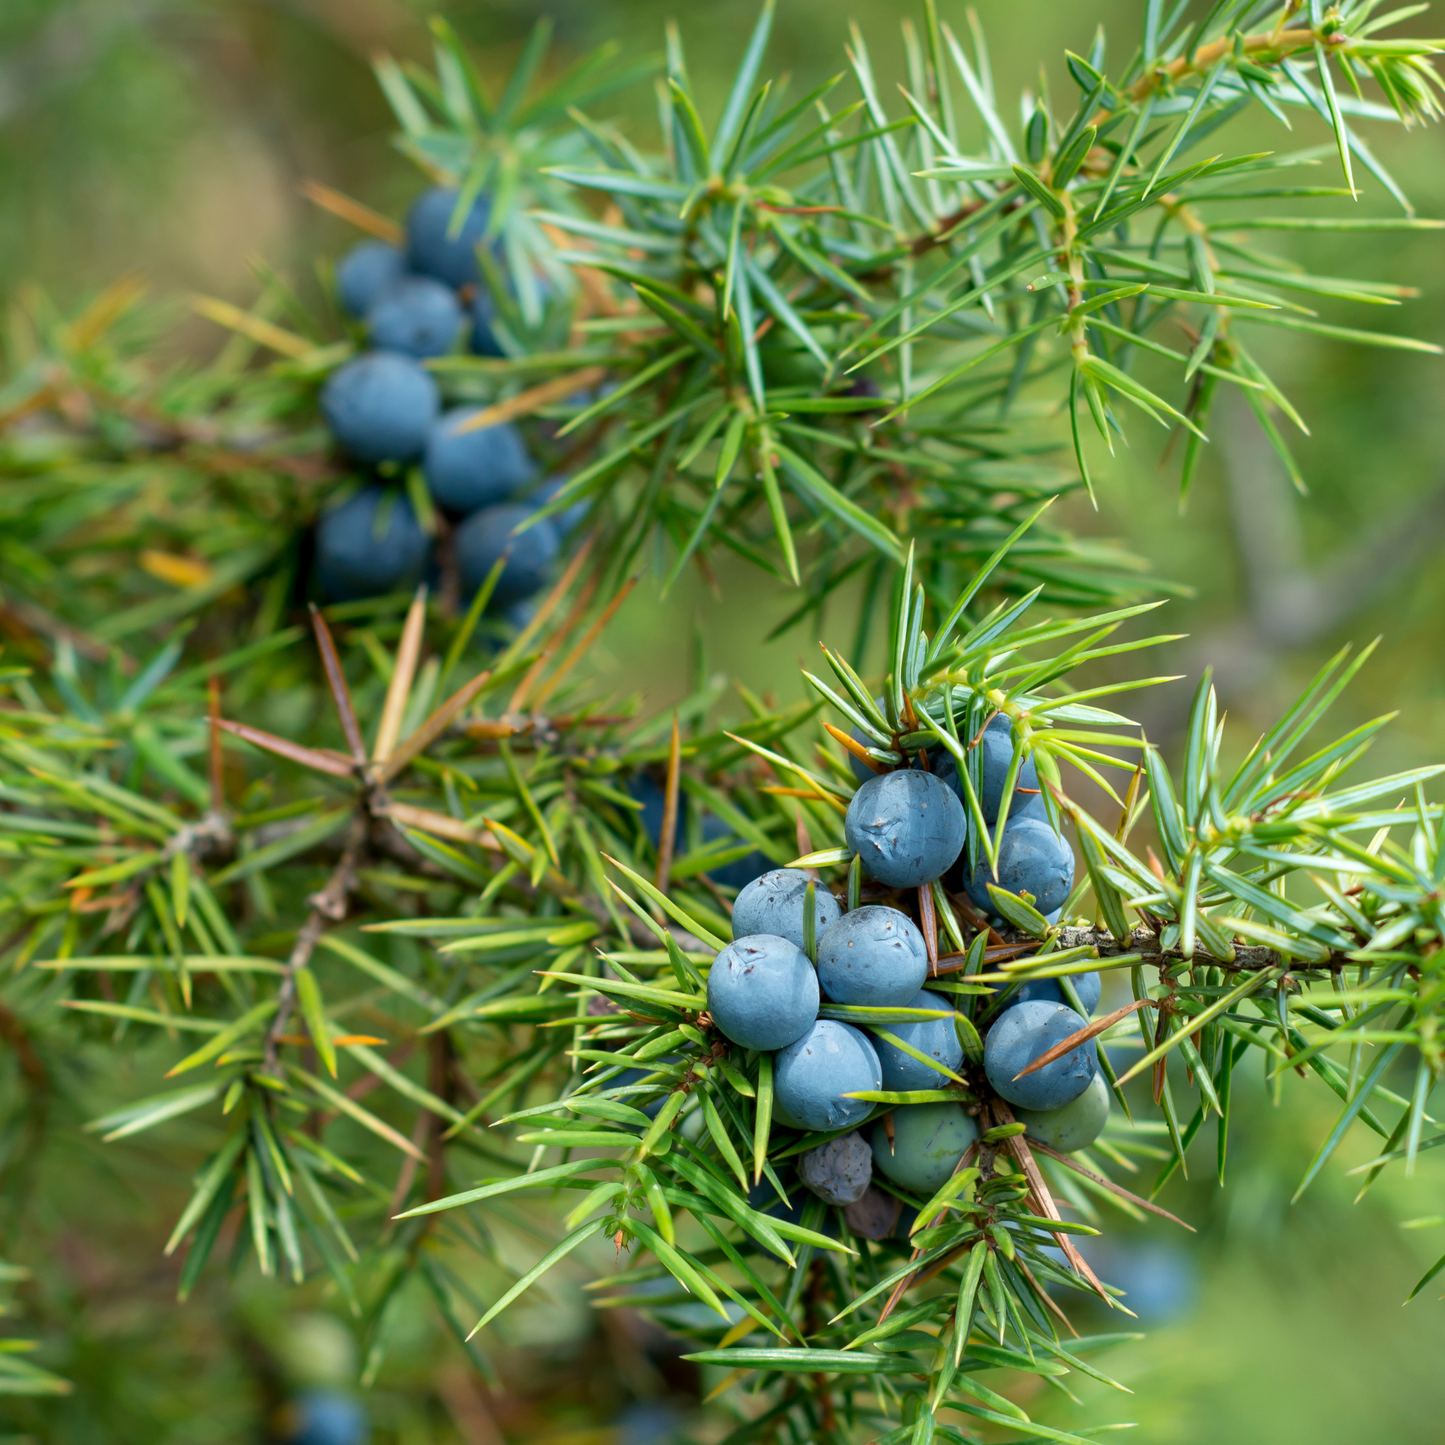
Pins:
<point x="170" y="138"/>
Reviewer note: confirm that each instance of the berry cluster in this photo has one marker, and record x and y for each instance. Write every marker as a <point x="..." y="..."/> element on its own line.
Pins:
<point x="909" y="828"/>
<point x="384" y="410"/>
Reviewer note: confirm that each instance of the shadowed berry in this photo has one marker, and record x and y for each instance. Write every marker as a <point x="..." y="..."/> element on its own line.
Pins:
<point x="1032" y="859"/>
<point x="470" y="468"/>
<point x="861" y="770"/>
<point x="928" y="1142"/>
<point x="762" y="992"/>
<point x="415" y="316"/>
<point x="741" y="871"/>
<point x="370" y="545"/>
<point x="484" y="313"/>
<point x="380" y="407"/>
<point x="570" y="517"/>
<point x="1074" y="1126"/>
<point x="364" y="272"/>
<point x="839" y="1171"/>
<point x="811" y="1076"/>
<point x="874" y="956"/>
<point x="907" y="827"/>
<point x="935" y="1037"/>
<point x="651" y="794"/>
<point x="1086" y="985"/>
<point x="774" y="904"/>
<point x="1022" y="1034"/>
<point x="874" y="1215"/>
<point x="433" y="248"/>
<point x="487" y="534"/>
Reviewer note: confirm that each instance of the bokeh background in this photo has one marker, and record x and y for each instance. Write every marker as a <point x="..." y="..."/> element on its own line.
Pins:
<point x="170" y="138"/>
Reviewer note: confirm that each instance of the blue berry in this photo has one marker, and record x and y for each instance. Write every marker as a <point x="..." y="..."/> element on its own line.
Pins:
<point x="762" y="992"/>
<point x="811" y="1076"/>
<point x="997" y="746"/>
<point x="1032" y="859"/>
<point x="646" y="789"/>
<point x="907" y="827"/>
<point x="764" y="1197"/>
<point x="861" y="770"/>
<point x="1019" y="1036"/>
<point x="1086" y="985"/>
<point x="651" y="794"/>
<point x="380" y="407"/>
<point x="840" y="1171"/>
<point x="484" y="313"/>
<point x="874" y="956"/>
<point x="487" y="534"/>
<point x="326" y="1417"/>
<point x="431" y="250"/>
<point x="935" y="1037"/>
<point x="368" y="546"/>
<point x="467" y="469"/>
<point x="364" y="272"/>
<point x="415" y="316"/>
<point x="571" y="517"/>
<point x="1074" y="1126"/>
<point x="741" y="871"/>
<point x="774" y="904"/>
<point x="928" y="1142"/>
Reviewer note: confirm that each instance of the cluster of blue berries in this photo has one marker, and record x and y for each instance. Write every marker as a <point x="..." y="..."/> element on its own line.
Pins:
<point x="904" y="830"/>
<point x="384" y="410"/>
<point x="909" y="828"/>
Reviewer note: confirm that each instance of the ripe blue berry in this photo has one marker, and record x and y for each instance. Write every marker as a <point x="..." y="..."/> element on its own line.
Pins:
<point x="907" y="827"/>
<point x="811" y="1076"/>
<point x="368" y="546"/>
<point x="469" y="468"/>
<point x="487" y="534"/>
<point x="997" y="745"/>
<point x="415" y="316"/>
<point x="762" y="992"/>
<point x="1019" y="1036"/>
<point x="873" y="956"/>
<point x="364" y="272"/>
<point x="928" y="1142"/>
<point x="380" y="407"/>
<point x="774" y="904"/>
<point x="430" y="247"/>
<point x="935" y="1037"/>
<point x="1074" y="1126"/>
<point x="1032" y="859"/>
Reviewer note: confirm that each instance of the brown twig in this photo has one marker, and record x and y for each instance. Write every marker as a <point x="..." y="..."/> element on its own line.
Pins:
<point x="327" y="906"/>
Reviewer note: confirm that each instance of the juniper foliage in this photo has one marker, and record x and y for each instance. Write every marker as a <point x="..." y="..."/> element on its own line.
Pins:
<point x="379" y="873"/>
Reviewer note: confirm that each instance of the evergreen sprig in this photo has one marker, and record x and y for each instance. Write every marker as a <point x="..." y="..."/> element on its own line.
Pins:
<point x="387" y="899"/>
